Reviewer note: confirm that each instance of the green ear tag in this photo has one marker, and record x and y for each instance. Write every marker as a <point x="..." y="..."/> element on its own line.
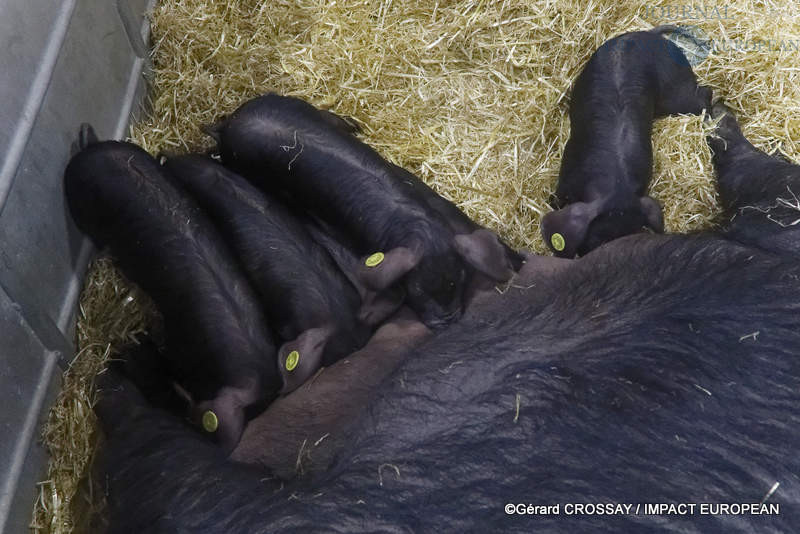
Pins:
<point x="374" y="260"/>
<point x="557" y="240"/>
<point x="291" y="360"/>
<point x="210" y="421"/>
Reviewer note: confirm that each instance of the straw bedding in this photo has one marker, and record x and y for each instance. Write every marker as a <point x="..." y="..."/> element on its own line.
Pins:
<point x="470" y="95"/>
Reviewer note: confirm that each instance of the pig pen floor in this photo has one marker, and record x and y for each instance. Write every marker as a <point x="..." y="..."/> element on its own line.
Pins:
<point x="470" y="95"/>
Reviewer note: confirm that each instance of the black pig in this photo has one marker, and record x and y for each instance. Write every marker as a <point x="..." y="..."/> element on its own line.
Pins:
<point x="308" y="301"/>
<point x="759" y="190"/>
<point x="219" y="346"/>
<point x="377" y="305"/>
<point x="656" y="369"/>
<point x="285" y="143"/>
<point x="607" y="164"/>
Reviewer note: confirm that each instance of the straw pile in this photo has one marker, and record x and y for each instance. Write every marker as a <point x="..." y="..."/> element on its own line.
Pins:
<point x="470" y="95"/>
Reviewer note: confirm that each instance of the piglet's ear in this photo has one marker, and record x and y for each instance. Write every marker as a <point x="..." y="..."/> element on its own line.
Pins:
<point x="652" y="213"/>
<point x="215" y="130"/>
<point x="565" y="229"/>
<point x="300" y="358"/>
<point x="222" y="418"/>
<point x="376" y="306"/>
<point x="484" y="251"/>
<point x="380" y="270"/>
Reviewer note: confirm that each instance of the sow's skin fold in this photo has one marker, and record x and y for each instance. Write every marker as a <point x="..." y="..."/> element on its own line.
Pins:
<point x="283" y="143"/>
<point x="607" y="165"/>
<point x="218" y="343"/>
<point x="302" y="432"/>
<point x="308" y="301"/>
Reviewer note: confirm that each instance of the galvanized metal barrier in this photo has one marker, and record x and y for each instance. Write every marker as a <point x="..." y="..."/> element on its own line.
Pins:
<point x="62" y="62"/>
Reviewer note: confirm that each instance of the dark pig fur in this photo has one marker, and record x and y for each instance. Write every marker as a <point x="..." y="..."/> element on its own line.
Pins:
<point x="308" y="301"/>
<point x="219" y="346"/>
<point x="655" y="369"/>
<point x="285" y="143"/>
<point x="607" y="163"/>
<point x="633" y="375"/>
<point x="760" y="191"/>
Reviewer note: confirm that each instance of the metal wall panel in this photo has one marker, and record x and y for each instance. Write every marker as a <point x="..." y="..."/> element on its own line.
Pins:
<point x="64" y="62"/>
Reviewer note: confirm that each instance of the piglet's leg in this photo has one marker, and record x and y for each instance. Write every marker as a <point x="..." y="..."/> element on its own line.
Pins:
<point x="678" y="89"/>
<point x="760" y="193"/>
<point x="684" y="96"/>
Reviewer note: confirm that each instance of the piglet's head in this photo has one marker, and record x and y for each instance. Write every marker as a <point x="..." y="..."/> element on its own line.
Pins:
<point x="435" y="289"/>
<point x="433" y="280"/>
<point x="223" y="417"/>
<point x="300" y="358"/>
<point x="564" y="230"/>
<point x="583" y="226"/>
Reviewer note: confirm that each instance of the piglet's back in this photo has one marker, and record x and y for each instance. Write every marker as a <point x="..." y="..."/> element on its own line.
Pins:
<point x="120" y="197"/>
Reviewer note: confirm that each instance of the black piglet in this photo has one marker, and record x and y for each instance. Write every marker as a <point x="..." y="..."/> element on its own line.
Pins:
<point x="627" y="83"/>
<point x="219" y="347"/>
<point x="313" y="308"/>
<point x="283" y="143"/>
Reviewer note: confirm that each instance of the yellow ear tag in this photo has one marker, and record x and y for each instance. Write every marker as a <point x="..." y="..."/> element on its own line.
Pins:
<point x="210" y="421"/>
<point x="374" y="260"/>
<point x="291" y="360"/>
<point x="557" y="240"/>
